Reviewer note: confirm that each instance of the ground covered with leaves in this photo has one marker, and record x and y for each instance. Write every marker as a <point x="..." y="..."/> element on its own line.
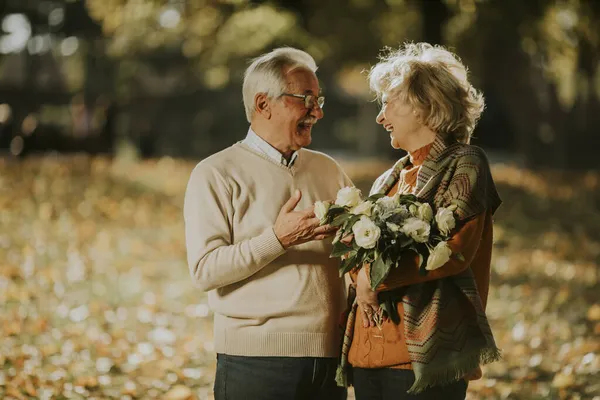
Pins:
<point x="96" y="300"/>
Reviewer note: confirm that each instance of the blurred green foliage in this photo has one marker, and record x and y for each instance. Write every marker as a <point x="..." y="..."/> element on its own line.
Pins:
<point x="537" y="61"/>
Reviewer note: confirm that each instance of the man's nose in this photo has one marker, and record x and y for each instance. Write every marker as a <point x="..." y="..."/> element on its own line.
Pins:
<point x="317" y="112"/>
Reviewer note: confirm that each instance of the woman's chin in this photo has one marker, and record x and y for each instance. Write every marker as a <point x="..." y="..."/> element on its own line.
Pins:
<point x="395" y="144"/>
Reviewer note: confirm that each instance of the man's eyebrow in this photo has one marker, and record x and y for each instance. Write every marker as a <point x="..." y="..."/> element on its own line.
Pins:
<point x="309" y="91"/>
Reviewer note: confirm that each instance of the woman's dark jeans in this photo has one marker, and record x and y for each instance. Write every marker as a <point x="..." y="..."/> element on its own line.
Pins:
<point x="392" y="384"/>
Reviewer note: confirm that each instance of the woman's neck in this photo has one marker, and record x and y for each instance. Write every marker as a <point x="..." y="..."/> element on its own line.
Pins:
<point x="421" y="139"/>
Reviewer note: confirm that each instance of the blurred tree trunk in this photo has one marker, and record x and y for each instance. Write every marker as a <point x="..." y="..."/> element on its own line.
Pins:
<point x="580" y="127"/>
<point x="548" y="130"/>
<point x="435" y="14"/>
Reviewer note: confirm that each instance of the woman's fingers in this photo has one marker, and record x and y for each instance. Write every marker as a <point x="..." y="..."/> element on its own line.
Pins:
<point x="367" y="313"/>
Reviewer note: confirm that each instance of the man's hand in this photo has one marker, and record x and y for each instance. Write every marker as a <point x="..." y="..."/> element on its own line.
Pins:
<point x="347" y="240"/>
<point x="297" y="227"/>
<point x="368" y="304"/>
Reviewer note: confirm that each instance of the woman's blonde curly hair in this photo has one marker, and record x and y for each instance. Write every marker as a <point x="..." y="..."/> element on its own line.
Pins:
<point x="434" y="82"/>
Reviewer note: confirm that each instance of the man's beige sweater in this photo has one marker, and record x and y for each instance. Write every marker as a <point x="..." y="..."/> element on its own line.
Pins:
<point x="267" y="301"/>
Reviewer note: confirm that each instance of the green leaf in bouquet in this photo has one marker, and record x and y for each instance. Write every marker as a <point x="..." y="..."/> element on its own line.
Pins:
<point x="396" y="260"/>
<point x="405" y="241"/>
<point x="348" y="264"/>
<point x="366" y="256"/>
<point x="341" y="219"/>
<point x="334" y="211"/>
<point x="407" y="198"/>
<point x="350" y="222"/>
<point x="423" y="264"/>
<point x="384" y="306"/>
<point x="375" y="197"/>
<point x="379" y="271"/>
<point x="339" y="249"/>
<point x="390" y="307"/>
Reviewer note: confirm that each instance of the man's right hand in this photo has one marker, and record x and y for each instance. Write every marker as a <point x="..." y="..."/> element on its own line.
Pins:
<point x="297" y="227"/>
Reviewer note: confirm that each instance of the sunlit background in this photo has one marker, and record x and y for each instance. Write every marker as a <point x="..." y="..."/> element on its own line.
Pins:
<point x="106" y="106"/>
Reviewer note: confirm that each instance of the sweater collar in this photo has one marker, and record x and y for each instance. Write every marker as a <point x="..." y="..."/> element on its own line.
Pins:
<point x="418" y="156"/>
<point x="255" y="142"/>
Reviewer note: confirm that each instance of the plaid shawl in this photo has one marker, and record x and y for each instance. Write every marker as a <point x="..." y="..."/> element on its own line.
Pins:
<point x="446" y="329"/>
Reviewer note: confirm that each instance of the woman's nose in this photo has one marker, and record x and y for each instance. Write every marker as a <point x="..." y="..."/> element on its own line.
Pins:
<point x="380" y="117"/>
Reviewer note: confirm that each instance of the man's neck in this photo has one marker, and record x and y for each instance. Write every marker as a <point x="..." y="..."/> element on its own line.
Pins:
<point x="269" y="137"/>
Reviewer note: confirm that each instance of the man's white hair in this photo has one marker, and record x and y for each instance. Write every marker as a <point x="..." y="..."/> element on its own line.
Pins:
<point x="266" y="74"/>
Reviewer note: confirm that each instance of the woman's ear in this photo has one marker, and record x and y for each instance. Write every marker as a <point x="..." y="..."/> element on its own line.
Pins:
<point x="418" y="116"/>
<point x="262" y="105"/>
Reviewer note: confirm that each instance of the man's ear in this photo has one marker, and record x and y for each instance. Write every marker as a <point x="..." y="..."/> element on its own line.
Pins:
<point x="262" y="105"/>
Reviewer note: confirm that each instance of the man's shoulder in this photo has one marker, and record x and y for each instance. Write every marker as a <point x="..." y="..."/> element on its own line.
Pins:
<point x="320" y="158"/>
<point x="220" y="163"/>
<point x="223" y="158"/>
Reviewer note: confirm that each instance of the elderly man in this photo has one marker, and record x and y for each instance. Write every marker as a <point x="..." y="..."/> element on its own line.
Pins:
<point x="275" y="293"/>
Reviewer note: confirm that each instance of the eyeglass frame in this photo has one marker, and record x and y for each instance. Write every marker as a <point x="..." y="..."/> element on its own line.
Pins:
<point x="319" y="100"/>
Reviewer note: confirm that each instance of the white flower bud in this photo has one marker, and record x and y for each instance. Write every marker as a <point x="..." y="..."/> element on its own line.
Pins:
<point x="445" y="220"/>
<point x="348" y="197"/>
<point x="439" y="256"/>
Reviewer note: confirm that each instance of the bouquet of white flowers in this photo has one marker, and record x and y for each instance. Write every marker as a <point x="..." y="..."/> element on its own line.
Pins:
<point x="382" y="228"/>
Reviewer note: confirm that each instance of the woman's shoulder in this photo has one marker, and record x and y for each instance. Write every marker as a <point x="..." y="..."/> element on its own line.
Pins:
<point x="467" y="154"/>
<point x="394" y="170"/>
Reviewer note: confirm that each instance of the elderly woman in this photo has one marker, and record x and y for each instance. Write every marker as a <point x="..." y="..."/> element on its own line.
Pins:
<point x="442" y="334"/>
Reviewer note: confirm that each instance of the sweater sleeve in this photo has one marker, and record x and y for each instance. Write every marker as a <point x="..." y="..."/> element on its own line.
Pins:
<point x="465" y="241"/>
<point x="214" y="260"/>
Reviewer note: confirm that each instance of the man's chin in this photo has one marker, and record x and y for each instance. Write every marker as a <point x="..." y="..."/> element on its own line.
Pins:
<point x="304" y="133"/>
<point x="303" y="138"/>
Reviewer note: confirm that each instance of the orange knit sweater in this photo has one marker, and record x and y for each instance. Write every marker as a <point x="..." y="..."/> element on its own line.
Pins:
<point x="373" y="347"/>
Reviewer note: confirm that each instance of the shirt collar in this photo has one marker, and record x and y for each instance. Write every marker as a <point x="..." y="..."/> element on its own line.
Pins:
<point x="257" y="143"/>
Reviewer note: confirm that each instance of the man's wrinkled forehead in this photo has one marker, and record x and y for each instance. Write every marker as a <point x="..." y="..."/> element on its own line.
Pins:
<point x="302" y="80"/>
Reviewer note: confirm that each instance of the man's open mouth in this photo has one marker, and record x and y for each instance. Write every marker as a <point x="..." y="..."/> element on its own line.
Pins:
<point x="305" y="125"/>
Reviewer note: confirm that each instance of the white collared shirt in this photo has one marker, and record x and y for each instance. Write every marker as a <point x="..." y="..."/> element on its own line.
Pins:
<point x="257" y="143"/>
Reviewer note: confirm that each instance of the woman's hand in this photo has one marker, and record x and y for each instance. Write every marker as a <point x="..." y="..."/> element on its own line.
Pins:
<point x="368" y="305"/>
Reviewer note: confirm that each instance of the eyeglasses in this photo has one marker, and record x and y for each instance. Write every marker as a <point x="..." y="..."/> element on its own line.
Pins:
<point x="309" y="100"/>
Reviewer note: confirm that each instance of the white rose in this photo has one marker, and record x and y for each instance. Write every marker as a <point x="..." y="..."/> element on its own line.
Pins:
<point x="364" y="208"/>
<point x="425" y="212"/>
<point x="445" y="220"/>
<point x="386" y="204"/>
<point x="417" y="229"/>
<point x="321" y="208"/>
<point x="348" y="197"/>
<point x="366" y="233"/>
<point x="402" y="211"/>
<point x="438" y="256"/>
